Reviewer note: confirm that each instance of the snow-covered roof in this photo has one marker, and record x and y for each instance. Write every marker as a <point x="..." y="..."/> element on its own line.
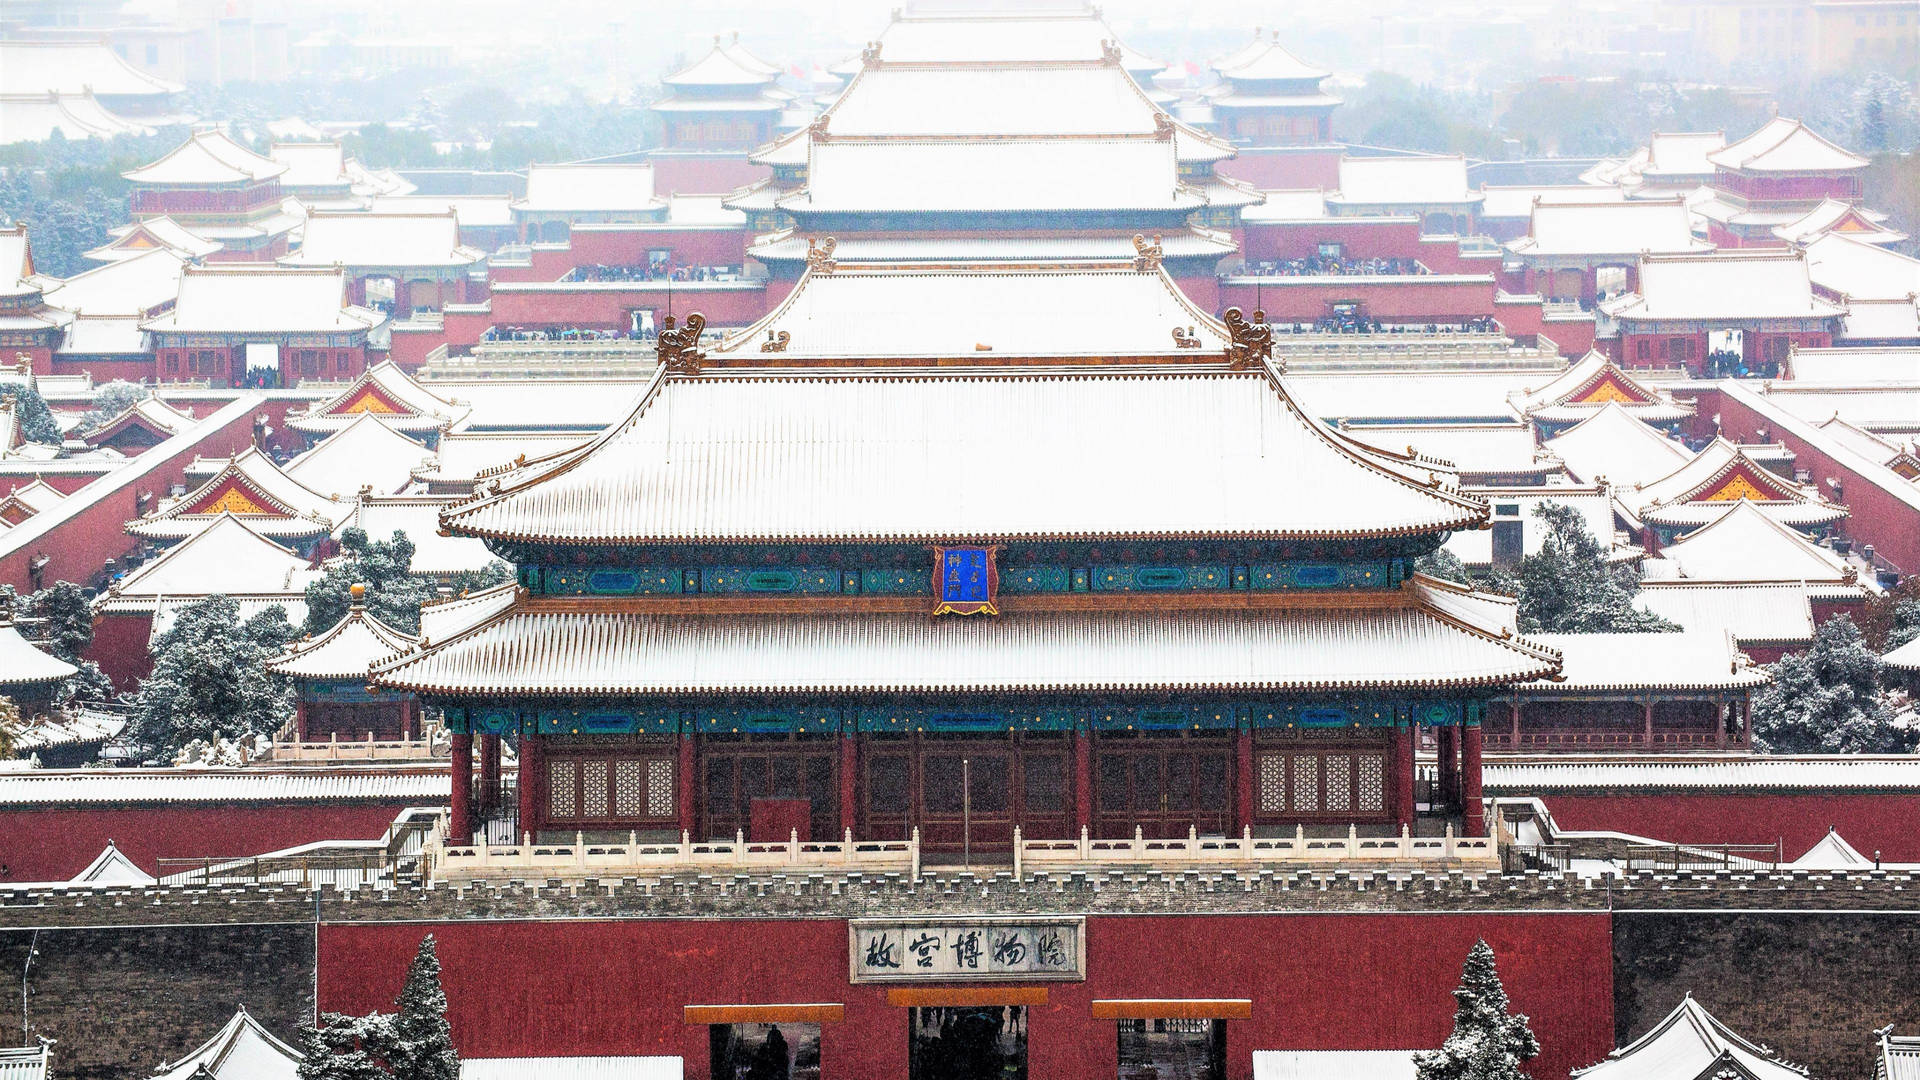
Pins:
<point x="1752" y="613"/>
<point x="1590" y="384"/>
<point x="1593" y="505"/>
<point x="995" y="36"/>
<point x="209" y="156"/>
<point x="1267" y="61"/>
<point x="1831" y="852"/>
<point x="155" y="232"/>
<point x="1681" y="153"/>
<point x="364" y="454"/>
<point x="1403" y="181"/>
<point x="1690" y="660"/>
<point x="311" y="164"/>
<point x="25" y="1062"/>
<point x="361" y="240"/>
<point x="112" y="867"/>
<point x="544" y="651"/>
<point x="1872" y="321"/>
<point x="646" y="1067"/>
<point x="81" y="787"/>
<point x="1408" y="393"/>
<point x="241" y="1050"/>
<point x="1226" y="452"/>
<point x="962" y="247"/>
<point x="35" y="496"/>
<point x="441" y="619"/>
<point x="75" y="68"/>
<point x="986" y="175"/>
<point x="464" y="457"/>
<point x="32" y="118"/>
<point x="344" y="650"/>
<point x="1334" y="1065"/>
<point x="225" y="557"/>
<point x="1499" y="449"/>
<point x="1291" y="204"/>
<point x="1905" y="657"/>
<point x="866" y="310"/>
<point x="1836" y="216"/>
<point x="471" y="211"/>
<point x="726" y="64"/>
<point x="231" y="298"/>
<point x="1857" y="269"/>
<point x="1599" y="229"/>
<point x="1856" y="366"/>
<point x="22" y="663"/>
<point x="1745" y="544"/>
<point x="386" y="392"/>
<point x="1728" y="285"/>
<point x="252" y="488"/>
<point x="1899" y="1057"/>
<point x="1718" y="478"/>
<point x="1613" y="445"/>
<point x="1786" y="146"/>
<point x="1849" y="772"/>
<point x="1876" y="407"/>
<point x="418" y="516"/>
<point x="589" y="189"/>
<point x="1689" y="1043"/>
<point x="133" y="286"/>
<point x="1517" y="201"/>
<point x="149" y="413"/>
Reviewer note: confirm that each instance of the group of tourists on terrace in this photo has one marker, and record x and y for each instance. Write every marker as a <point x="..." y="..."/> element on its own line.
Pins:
<point x="1336" y="266"/>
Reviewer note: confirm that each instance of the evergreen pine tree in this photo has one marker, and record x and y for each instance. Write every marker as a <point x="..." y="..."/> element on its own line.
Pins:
<point x="422" y="1040"/>
<point x="36" y="420"/>
<point x="1827" y="700"/>
<point x="394" y="594"/>
<point x="1569" y="588"/>
<point x="66" y="620"/>
<point x="110" y="400"/>
<point x="1486" y="1043"/>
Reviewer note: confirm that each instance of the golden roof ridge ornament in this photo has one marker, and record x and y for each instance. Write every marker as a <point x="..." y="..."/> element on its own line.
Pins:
<point x="678" y="348"/>
<point x="1252" y="341"/>
<point x="776" y="342"/>
<point x="1162" y="126"/>
<point x="1185" y="338"/>
<point x="870" y="56"/>
<point x="820" y="255"/>
<point x="1147" y="256"/>
<point x="1110" y="52"/>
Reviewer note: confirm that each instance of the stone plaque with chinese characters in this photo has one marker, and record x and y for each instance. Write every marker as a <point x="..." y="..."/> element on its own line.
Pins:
<point x="943" y="950"/>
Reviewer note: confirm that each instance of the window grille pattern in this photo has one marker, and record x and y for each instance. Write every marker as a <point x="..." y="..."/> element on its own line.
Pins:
<point x="593" y="789"/>
<point x="1339" y="783"/>
<point x="1273" y="784"/>
<point x="1373" y="783"/>
<point x="629" y="788"/>
<point x="563" y="782"/>
<point x="1306" y="784"/>
<point x="660" y="788"/>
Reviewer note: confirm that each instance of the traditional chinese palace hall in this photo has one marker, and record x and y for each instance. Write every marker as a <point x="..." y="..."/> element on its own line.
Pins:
<point x="854" y="569"/>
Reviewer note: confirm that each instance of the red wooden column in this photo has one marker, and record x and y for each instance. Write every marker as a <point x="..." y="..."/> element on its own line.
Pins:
<point x="1243" y="776"/>
<point x="533" y="774"/>
<point x="1404" y="804"/>
<point x="849" y="772"/>
<point x="489" y="774"/>
<point x="1470" y="780"/>
<point x="300" y="719"/>
<point x="1446" y="741"/>
<point x="460" y="829"/>
<point x="1082" y="781"/>
<point x="689" y="818"/>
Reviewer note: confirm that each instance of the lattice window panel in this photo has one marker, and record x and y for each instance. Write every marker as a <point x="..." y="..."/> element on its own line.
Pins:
<point x="629" y="788"/>
<point x="1273" y="784"/>
<point x="660" y="802"/>
<point x="563" y="782"/>
<point x="1339" y="783"/>
<point x="1306" y="784"/>
<point x="1373" y="784"/>
<point x="593" y="789"/>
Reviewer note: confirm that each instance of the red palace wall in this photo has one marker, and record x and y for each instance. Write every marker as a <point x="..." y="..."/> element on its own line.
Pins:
<point x="1285" y="168"/>
<point x="600" y="306"/>
<point x="121" y="645"/>
<point x="1870" y="822"/>
<point x="97" y="531"/>
<point x="1360" y="238"/>
<point x="1876" y="516"/>
<point x="704" y="174"/>
<point x="55" y="844"/>
<point x="574" y="988"/>
<point x="628" y="247"/>
<point x="1406" y="300"/>
<point x="140" y="370"/>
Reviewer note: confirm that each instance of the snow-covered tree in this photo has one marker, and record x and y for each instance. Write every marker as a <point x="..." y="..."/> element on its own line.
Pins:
<point x="65" y="617"/>
<point x="110" y="400"/>
<point x="1487" y="1043"/>
<point x="344" y="1047"/>
<point x="1444" y="564"/>
<point x="210" y="679"/>
<point x="36" y="420"/>
<point x="1569" y="588"/>
<point x="1828" y="700"/>
<point x="394" y="594"/>
<point x="422" y="1040"/>
<point x="10" y="726"/>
